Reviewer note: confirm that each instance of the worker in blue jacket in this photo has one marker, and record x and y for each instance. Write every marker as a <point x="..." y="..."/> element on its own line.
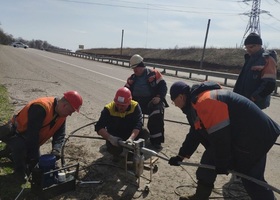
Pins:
<point x="149" y="89"/>
<point x="236" y="134"/>
<point x="257" y="79"/>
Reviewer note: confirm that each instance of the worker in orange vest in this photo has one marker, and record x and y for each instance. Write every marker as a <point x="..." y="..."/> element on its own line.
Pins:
<point x="40" y="120"/>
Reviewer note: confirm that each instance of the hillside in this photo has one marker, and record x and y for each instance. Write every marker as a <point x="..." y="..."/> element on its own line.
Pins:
<point x="226" y="60"/>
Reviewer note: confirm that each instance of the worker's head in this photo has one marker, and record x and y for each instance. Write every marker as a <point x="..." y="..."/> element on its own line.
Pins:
<point x="253" y="43"/>
<point x="69" y="103"/>
<point x="122" y="99"/>
<point x="179" y="92"/>
<point x="136" y="63"/>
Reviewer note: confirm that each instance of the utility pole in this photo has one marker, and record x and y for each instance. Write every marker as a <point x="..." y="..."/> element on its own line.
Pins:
<point x="204" y="46"/>
<point x="253" y="25"/>
<point x="122" y="41"/>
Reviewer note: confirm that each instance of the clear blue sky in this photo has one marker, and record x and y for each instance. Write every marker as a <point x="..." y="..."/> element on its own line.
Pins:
<point x="146" y="23"/>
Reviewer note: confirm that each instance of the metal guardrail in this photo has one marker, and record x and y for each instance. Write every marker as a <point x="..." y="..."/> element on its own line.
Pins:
<point x="176" y="69"/>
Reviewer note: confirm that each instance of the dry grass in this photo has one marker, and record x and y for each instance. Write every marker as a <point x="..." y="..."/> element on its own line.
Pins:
<point x="226" y="59"/>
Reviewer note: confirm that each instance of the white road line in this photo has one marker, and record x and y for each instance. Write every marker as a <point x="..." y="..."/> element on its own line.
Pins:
<point x="77" y="66"/>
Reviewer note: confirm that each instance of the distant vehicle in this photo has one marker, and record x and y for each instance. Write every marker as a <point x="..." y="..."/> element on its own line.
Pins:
<point x="19" y="44"/>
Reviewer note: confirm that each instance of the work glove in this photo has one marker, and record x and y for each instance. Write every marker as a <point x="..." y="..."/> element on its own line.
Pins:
<point x="114" y="140"/>
<point x="56" y="153"/>
<point x="221" y="170"/>
<point x="156" y="100"/>
<point x="175" y="160"/>
<point x="129" y="141"/>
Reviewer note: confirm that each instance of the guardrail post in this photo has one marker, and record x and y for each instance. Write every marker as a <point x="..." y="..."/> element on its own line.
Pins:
<point x="225" y="83"/>
<point x="275" y="90"/>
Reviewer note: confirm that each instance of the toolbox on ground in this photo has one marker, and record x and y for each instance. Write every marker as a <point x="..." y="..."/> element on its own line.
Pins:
<point x="47" y="184"/>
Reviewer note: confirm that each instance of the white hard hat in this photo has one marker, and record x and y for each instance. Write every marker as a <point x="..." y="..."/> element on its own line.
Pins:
<point x="135" y="60"/>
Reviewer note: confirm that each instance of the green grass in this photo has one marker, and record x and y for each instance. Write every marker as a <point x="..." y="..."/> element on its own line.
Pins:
<point x="9" y="189"/>
<point x="6" y="109"/>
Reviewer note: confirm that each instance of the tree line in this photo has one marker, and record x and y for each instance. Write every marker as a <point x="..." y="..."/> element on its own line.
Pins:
<point x="8" y="39"/>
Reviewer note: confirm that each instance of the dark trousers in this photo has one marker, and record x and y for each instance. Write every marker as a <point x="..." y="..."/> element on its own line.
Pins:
<point x="156" y="123"/>
<point x="18" y="148"/>
<point x="256" y="192"/>
<point x="155" y="120"/>
<point x="205" y="176"/>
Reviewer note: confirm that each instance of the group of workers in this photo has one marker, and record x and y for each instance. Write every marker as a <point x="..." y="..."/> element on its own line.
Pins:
<point x="235" y="132"/>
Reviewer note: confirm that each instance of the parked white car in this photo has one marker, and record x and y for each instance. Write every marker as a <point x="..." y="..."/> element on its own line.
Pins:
<point x="19" y="44"/>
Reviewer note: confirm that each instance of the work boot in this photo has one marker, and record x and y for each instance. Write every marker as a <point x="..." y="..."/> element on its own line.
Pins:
<point x="203" y="192"/>
<point x="19" y="177"/>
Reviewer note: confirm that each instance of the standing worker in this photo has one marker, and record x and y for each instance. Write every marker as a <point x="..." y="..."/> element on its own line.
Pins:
<point x="257" y="79"/>
<point x="236" y="135"/>
<point x="122" y="120"/>
<point x="149" y="89"/>
<point x="37" y="122"/>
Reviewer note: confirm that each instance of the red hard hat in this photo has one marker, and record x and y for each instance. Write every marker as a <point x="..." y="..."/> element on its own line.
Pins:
<point x="75" y="99"/>
<point x="123" y="96"/>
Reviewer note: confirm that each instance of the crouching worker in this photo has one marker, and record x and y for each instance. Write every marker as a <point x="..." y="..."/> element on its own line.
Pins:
<point x="37" y="122"/>
<point x="121" y="119"/>
<point x="236" y="135"/>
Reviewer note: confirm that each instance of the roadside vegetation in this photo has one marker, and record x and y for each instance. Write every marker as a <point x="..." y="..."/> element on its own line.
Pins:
<point x="9" y="188"/>
<point x="8" y="39"/>
<point x="228" y="60"/>
<point x="6" y="109"/>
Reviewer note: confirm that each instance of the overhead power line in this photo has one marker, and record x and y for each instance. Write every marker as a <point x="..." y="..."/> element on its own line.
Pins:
<point x="157" y="7"/>
<point x="253" y="25"/>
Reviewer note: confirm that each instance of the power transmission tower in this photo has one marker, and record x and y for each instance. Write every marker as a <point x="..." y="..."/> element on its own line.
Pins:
<point x="254" y="19"/>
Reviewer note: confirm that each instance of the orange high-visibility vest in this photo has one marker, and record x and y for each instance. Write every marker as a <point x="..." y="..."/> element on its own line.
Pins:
<point x="21" y="119"/>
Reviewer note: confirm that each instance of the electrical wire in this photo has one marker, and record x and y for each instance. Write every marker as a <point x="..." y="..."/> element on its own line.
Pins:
<point x="70" y="135"/>
<point x="182" y="163"/>
<point x="166" y="8"/>
<point x="194" y="181"/>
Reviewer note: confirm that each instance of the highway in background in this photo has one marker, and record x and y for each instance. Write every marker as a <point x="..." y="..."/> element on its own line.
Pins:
<point x="30" y="73"/>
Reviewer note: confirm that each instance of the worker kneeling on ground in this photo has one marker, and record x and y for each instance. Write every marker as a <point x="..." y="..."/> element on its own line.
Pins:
<point x="121" y="119"/>
<point x="37" y="122"/>
<point x="235" y="132"/>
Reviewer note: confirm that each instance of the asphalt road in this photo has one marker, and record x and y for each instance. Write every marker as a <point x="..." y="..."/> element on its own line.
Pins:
<point x="30" y="73"/>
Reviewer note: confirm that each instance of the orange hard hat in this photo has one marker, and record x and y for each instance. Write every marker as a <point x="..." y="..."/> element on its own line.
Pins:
<point x="123" y="96"/>
<point x="74" y="98"/>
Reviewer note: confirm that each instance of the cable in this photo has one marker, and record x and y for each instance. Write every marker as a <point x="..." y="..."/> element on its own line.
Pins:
<point x="71" y="135"/>
<point x="192" y="178"/>
<point x="151" y="152"/>
<point x="244" y="176"/>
